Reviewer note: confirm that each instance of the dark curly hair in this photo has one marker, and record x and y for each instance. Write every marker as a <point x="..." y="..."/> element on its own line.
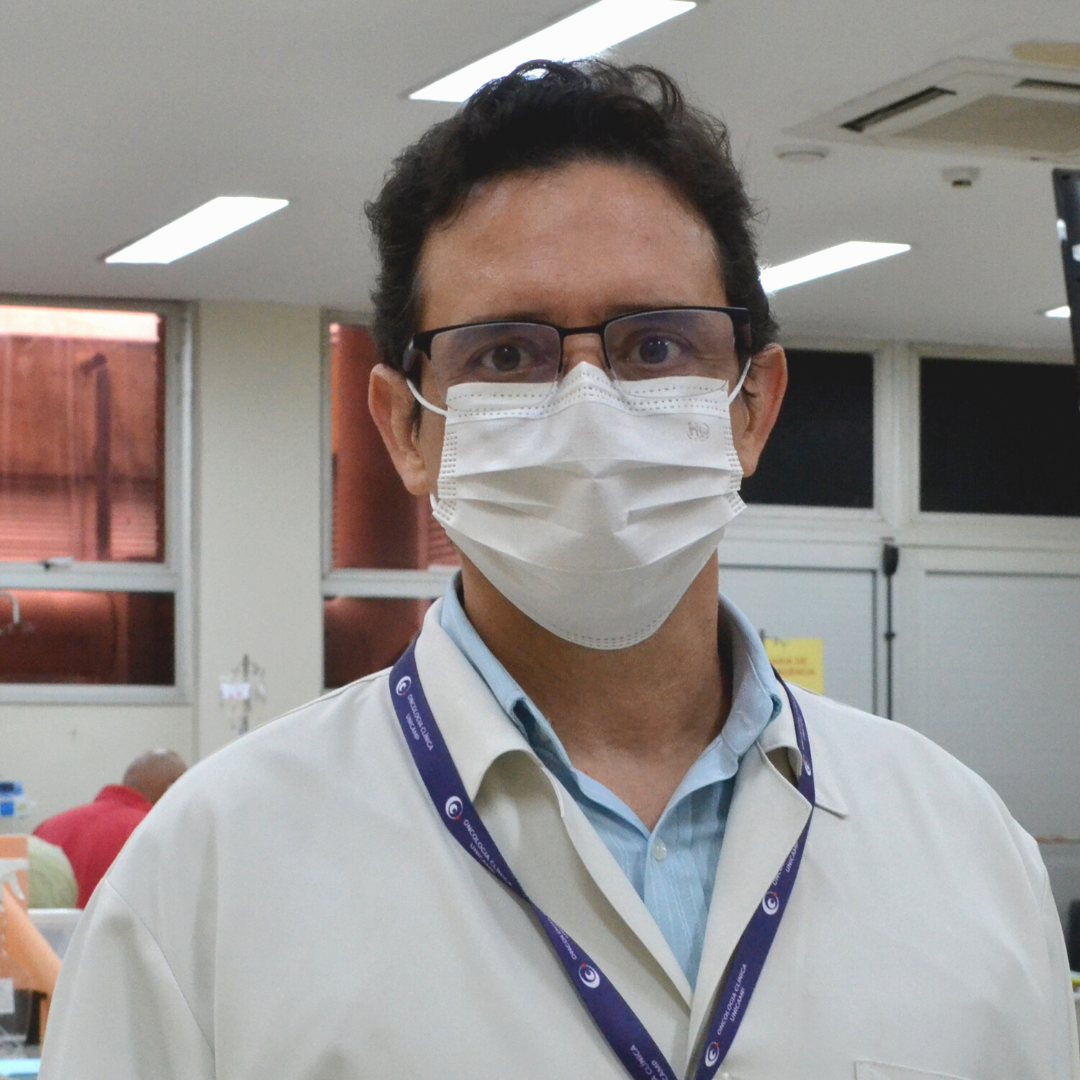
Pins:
<point x="546" y="114"/>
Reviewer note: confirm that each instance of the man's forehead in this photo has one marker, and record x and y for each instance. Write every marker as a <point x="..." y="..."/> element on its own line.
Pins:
<point x="553" y="205"/>
<point x="613" y="228"/>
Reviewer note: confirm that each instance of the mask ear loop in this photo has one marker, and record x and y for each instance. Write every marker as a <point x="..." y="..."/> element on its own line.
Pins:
<point x="435" y="409"/>
<point x="408" y="361"/>
<point x="734" y="393"/>
<point x="424" y="401"/>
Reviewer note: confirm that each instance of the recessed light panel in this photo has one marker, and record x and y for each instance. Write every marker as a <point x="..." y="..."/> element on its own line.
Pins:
<point x="1058" y="312"/>
<point x="204" y="225"/>
<point x="829" y="261"/>
<point x="585" y="33"/>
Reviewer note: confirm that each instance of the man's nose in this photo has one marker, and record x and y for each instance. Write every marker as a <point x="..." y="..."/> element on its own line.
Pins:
<point x="582" y="349"/>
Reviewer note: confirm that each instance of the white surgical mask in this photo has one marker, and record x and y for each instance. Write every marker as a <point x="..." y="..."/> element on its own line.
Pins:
<point x="591" y="506"/>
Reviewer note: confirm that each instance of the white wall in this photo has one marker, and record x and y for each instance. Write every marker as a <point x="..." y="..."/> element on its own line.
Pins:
<point x="987" y="649"/>
<point x="257" y="506"/>
<point x="256" y="560"/>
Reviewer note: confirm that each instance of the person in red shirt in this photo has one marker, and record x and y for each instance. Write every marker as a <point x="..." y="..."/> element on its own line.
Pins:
<point x="92" y="835"/>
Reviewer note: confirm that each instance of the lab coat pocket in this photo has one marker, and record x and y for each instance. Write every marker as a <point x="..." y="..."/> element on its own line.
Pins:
<point x="879" y="1070"/>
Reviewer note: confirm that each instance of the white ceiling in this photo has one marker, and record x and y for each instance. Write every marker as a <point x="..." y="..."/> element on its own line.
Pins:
<point x="116" y="117"/>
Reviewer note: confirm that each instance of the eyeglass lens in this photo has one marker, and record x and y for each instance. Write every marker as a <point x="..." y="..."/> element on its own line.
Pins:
<point x="644" y="345"/>
<point x="656" y="344"/>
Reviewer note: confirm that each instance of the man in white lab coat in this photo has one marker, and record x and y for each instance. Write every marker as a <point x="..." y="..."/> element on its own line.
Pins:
<point x="581" y="829"/>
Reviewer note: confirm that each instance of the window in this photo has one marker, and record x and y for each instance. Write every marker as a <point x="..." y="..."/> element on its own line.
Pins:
<point x="821" y="452"/>
<point x="88" y="581"/>
<point x="999" y="437"/>
<point x="388" y="557"/>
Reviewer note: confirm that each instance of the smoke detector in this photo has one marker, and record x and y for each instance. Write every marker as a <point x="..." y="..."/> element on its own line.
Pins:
<point x="994" y="108"/>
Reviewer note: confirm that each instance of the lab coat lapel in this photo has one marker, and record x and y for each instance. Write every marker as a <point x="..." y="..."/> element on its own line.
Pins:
<point x="616" y="887"/>
<point x="766" y="817"/>
<point x="477" y="733"/>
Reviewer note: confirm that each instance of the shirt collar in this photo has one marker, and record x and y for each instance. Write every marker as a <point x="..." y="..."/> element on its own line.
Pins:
<point x="126" y="796"/>
<point x="500" y="682"/>
<point x="473" y="720"/>
<point x="756" y="697"/>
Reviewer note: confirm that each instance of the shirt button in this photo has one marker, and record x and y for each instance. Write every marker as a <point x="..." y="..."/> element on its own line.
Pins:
<point x="659" y="850"/>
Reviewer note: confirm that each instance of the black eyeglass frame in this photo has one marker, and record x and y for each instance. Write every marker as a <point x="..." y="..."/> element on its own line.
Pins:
<point x="421" y="342"/>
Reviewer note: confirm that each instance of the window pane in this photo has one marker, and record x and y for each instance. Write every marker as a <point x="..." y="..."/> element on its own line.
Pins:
<point x="82" y="434"/>
<point x="87" y="637"/>
<point x="999" y="438"/>
<point x="821" y="452"/>
<point x="377" y="524"/>
<point x="366" y="635"/>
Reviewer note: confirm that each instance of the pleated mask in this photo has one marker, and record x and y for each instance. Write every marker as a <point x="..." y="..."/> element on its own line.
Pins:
<point x="591" y="506"/>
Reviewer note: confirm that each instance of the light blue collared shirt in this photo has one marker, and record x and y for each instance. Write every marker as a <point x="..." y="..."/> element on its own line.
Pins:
<point x="673" y="867"/>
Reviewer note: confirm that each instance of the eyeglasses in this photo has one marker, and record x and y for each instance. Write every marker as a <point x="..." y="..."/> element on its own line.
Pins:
<point x="712" y="342"/>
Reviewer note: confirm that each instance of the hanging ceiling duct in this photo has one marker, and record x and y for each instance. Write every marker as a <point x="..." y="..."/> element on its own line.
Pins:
<point x="982" y="107"/>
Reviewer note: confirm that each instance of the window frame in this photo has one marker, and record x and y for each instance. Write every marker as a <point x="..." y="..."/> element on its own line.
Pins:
<point x="761" y="522"/>
<point x="896" y="515"/>
<point x="174" y="575"/>
<point x="951" y="528"/>
<point x="832" y="518"/>
<point x="358" y="582"/>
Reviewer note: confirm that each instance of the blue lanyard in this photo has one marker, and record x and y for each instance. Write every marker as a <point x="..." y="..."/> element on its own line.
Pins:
<point x="618" y="1023"/>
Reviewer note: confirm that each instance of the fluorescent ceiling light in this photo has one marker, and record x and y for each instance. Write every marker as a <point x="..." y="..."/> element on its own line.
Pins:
<point x="1058" y="312"/>
<point x="582" y="34"/>
<point x="205" y="224"/>
<point x="830" y="261"/>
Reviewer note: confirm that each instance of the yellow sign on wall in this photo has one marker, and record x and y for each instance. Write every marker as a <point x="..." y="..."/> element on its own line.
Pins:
<point x="799" y="660"/>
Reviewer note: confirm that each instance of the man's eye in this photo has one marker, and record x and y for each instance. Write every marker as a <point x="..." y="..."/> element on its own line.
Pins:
<point x="504" y="359"/>
<point x="656" y="349"/>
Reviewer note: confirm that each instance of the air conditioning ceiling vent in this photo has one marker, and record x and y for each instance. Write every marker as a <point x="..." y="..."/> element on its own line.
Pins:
<point x="895" y="108"/>
<point x="971" y="106"/>
<point x="1048" y="84"/>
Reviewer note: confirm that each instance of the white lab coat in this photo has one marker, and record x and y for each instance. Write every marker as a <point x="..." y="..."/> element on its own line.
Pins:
<point x="294" y="908"/>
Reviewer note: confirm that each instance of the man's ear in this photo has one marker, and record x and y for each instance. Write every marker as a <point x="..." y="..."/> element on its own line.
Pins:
<point x="759" y="405"/>
<point x="393" y="410"/>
